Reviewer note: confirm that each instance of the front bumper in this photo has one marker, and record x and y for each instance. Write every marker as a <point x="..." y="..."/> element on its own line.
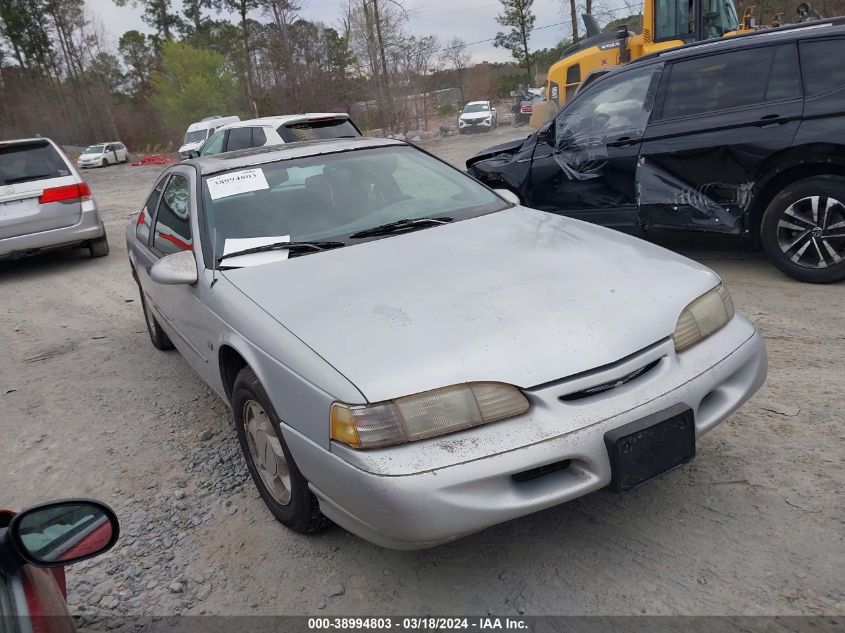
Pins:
<point x="88" y="228"/>
<point x="416" y="496"/>
<point x="484" y="124"/>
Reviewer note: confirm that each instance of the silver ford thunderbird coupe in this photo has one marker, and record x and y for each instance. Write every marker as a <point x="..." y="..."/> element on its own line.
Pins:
<point x="415" y="356"/>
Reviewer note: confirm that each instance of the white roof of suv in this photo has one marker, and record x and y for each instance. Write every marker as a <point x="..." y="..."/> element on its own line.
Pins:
<point x="285" y="119"/>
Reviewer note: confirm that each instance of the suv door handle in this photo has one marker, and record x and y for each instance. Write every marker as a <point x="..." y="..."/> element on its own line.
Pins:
<point x="623" y="141"/>
<point x="771" y="120"/>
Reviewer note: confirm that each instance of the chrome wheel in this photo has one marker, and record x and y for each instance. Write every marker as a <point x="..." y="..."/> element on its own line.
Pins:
<point x="266" y="451"/>
<point x="811" y="232"/>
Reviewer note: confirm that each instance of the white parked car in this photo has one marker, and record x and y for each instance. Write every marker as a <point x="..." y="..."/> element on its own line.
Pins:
<point x="479" y="116"/>
<point x="199" y="132"/>
<point x="103" y="155"/>
<point x="44" y="203"/>
<point x="278" y="130"/>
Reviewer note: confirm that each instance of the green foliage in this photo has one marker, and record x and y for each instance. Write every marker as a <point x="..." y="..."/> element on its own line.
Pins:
<point x="192" y="84"/>
<point x="545" y="57"/>
<point x="518" y="15"/>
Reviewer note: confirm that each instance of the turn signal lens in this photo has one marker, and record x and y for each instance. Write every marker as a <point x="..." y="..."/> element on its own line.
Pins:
<point x="704" y="316"/>
<point x="426" y="414"/>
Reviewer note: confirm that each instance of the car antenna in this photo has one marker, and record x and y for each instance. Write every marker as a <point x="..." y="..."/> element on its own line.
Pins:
<point x="213" y="258"/>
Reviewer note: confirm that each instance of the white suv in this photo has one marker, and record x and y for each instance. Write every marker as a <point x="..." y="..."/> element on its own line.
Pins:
<point x="277" y="130"/>
<point x="478" y="116"/>
<point x="44" y="203"/>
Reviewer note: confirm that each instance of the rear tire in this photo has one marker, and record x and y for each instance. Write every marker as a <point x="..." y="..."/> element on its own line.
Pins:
<point x="803" y="229"/>
<point x="269" y="461"/>
<point x="158" y="338"/>
<point x="99" y="247"/>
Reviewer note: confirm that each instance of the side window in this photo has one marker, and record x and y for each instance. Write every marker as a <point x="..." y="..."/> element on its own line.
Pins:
<point x="672" y="21"/>
<point x="258" y="137"/>
<point x="145" y="219"/>
<point x="823" y="67"/>
<point x="173" y="222"/>
<point x="214" y="144"/>
<point x="618" y="102"/>
<point x="239" y="138"/>
<point x="730" y="80"/>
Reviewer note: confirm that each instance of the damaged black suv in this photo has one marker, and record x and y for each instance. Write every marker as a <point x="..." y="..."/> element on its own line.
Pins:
<point x="742" y="136"/>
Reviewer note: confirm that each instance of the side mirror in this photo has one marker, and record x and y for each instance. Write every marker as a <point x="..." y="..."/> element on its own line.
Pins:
<point x="176" y="269"/>
<point x="63" y="532"/>
<point x="194" y="154"/>
<point x="546" y="133"/>
<point x="508" y="195"/>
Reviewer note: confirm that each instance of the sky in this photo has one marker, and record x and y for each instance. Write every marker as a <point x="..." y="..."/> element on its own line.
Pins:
<point x="475" y="20"/>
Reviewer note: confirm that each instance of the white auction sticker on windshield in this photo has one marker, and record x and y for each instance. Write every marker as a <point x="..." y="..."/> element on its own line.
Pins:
<point x="236" y="182"/>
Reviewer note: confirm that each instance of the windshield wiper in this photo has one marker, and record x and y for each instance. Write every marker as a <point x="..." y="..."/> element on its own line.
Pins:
<point x="278" y="246"/>
<point x="399" y="226"/>
<point x="10" y="181"/>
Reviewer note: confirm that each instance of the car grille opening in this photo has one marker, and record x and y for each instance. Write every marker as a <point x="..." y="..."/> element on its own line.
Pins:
<point x="611" y="384"/>
<point x="534" y="473"/>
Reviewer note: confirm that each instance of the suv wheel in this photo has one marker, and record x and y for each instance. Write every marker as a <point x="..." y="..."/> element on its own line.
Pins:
<point x="280" y="484"/>
<point x="99" y="247"/>
<point x="803" y="229"/>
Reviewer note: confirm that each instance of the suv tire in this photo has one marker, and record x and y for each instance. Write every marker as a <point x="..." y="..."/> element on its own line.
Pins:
<point x="99" y="247"/>
<point x="282" y="487"/>
<point x="796" y="231"/>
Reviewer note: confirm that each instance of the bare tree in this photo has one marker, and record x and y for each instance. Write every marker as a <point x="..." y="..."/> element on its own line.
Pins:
<point x="455" y="56"/>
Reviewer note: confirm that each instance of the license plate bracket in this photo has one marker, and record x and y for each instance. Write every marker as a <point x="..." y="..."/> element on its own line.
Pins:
<point x="647" y="448"/>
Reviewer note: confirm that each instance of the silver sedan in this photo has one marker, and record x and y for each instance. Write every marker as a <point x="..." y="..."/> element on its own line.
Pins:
<point x="417" y="357"/>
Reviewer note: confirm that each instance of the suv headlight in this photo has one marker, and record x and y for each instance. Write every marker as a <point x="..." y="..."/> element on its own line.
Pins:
<point x="704" y="316"/>
<point x="425" y="414"/>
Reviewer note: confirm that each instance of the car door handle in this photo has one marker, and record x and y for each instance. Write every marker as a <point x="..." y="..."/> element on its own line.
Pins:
<point x="623" y="141"/>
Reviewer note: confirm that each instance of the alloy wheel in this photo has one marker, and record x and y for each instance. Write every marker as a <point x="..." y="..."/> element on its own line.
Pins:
<point x="266" y="452"/>
<point x="811" y="232"/>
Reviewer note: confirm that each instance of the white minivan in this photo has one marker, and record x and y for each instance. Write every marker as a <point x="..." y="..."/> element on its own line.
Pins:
<point x="198" y="132"/>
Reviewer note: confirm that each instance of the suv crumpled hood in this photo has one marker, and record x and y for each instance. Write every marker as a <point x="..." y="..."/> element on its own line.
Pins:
<point x="519" y="296"/>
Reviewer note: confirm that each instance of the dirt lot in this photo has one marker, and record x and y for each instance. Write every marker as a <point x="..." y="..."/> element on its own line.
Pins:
<point x="754" y="525"/>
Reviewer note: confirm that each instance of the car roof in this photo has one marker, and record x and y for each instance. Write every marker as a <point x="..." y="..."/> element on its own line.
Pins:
<point x="816" y="28"/>
<point x="14" y="141"/>
<point x="477" y="102"/>
<point x="282" y="119"/>
<point x="272" y="153"/>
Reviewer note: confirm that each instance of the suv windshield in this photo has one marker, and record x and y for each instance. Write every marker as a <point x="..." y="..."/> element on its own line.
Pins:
<point x="311" y="130"/>
<point x="94" y="149"/>
<point x="332" y="196"/>
<point x="477" y="107"/>
<point x="36" y="160"/>
<point x="196" y="136"/>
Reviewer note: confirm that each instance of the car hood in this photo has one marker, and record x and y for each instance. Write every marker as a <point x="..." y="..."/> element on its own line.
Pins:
<point x="519" y="296"/>
<point x="189" y="147"/>
<point x="89" y="156"/>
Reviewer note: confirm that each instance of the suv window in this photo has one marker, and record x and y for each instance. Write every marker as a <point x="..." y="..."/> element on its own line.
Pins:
<point x="145" y="220"/>
<point x="239" y="138"/>
<point x="173" y="222"/>
<point x="618" y="102"/>
<point x="731" y="80"/>
<point x="23" y="162"/>
<point x="823" y="67"/>
<point x="311" y="130"/>
<point x="214" y="145"/>
<point x="258" y="137"/>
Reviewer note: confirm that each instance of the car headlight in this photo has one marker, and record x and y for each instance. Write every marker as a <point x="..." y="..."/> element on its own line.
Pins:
<point x="704" y="316"/>
<point x="425" y="414"/>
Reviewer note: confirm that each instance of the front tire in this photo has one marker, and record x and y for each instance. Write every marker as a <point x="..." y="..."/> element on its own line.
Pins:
<point x="275" y="473"/>
<point x="158" y="338"/>
<point x="104" y="163"/>
<point x="803" y="229"/>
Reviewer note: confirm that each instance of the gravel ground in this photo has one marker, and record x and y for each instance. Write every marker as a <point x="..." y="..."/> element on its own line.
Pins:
<point x="754" y="525"/>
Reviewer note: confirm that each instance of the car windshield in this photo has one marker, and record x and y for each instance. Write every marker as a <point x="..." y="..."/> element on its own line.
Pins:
<point x="312" y="130"/>
<point x="196" y="136"/>
<point x="332" y="196"/>
<point x="94" y="149"/>
<point x="476" y="107"/>
<point x="22" y="162"/>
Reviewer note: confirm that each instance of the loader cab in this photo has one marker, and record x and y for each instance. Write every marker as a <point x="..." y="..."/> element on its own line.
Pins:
<point x="666" y="24"/>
